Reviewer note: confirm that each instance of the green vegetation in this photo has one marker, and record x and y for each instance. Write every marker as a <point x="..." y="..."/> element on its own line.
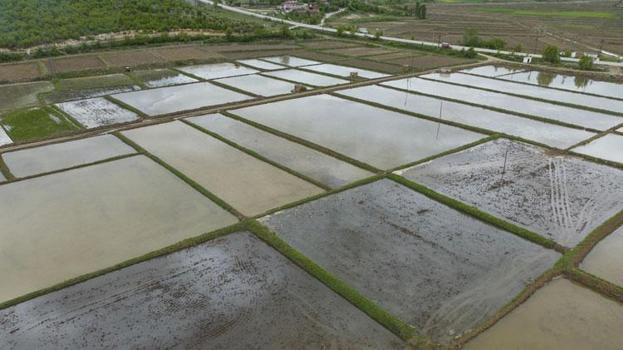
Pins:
<point x="551" y="54"/>
<point x="471" y="39"/>
<point x="25" y="23"/>
<point x="36" y="124"/>
<point x="586" y="63"/>
<point x="550" y="13"/>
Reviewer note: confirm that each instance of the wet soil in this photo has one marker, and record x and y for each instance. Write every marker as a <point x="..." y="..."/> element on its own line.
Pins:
<point x="606" y="259"/>
<point x="96" y="112"/>
<point x="61" y="226"/>
<point x="558" y="197"/>
<point x="429" y="265"/>
<point x="561" y="315"/>
<point x="231" y="293"/>
<point x="59" y="156"/>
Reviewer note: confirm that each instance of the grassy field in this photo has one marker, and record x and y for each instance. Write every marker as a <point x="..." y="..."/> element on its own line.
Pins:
<point x="35" y="123"/>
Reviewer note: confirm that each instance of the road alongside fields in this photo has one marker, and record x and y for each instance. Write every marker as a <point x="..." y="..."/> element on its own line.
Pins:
<point x="389" y="38"/>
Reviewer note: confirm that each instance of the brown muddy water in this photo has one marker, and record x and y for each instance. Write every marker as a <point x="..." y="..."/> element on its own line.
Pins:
<point x="61" y="226"/>
<point x="559" y="197"/>
<point x="606" y="259"/>
<point x="231" y="293"/>
<point x="307" y="161"/>
<point x="561" y="315"/>
<point x="243" y="181"/>
<point x="431" y="266"/>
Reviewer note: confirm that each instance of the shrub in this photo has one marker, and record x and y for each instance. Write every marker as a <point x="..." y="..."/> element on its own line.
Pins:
<point x="551" y="54"/>
<point x="586" y="63"/>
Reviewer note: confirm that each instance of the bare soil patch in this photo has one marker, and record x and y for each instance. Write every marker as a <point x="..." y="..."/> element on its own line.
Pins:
<point x="74" y="64"/>
<point x="130" y="58"/>
<point x="18" y="72"/>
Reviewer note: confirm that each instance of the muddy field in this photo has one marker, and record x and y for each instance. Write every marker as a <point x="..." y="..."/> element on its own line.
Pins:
<point x="557" y="317"/>
<point x="243" y="181"/>
<point x="606" y="260"/>
<point x="558" y="197"/>
<point x="318" y="166"/>
<point x="96" y="112"/>
<point x="16" y="96"/>
<point x="92" y="224"/>
<point x="20" y="72"/>
<point x="436" y="269"/>
<point x="231" y="293"/>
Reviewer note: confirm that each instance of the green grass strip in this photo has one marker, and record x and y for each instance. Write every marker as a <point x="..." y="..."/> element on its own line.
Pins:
<point x="125" y="106"/>
<point x="214" y="198"/>
<point x="187" y="243"/>
<point x="596" y="284"/>
<point x="478" y="214"/>
<point x="390" y="322"/>
<point x="5" y="171"/>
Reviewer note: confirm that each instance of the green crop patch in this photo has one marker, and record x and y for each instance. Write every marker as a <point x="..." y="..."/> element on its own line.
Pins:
<point x="35" y="124"/>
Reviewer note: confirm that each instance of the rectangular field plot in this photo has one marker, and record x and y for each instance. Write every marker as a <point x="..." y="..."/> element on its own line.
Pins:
<point x="307" y="78"/>
<point x="318" y="166"/>
<point x="569" y="82"/>
<point x="234" y="292"/>
<point x="96" y="112"/>
<point x="90" y="87"/>
<point x="259" y="64"/>
<point x="545" y="133"/>
<point x="162" y="77"/>
<point x="36" y="123"/>
<point x="4" y="137"/>
<point x="491" y="71"/>
<point x="561" y="315"/>
<point x="290" y="61"/>
<point x="344" y="71"/>
<point x="559" y="197"/>
<point x="584" y="118"/>
<point x="259" y="85"/>
<point x="608" y="147"/>
<point x="64" y="225"/>
<point x="179" y="98"/>
<point x="372" y="135"/>
<point x="601" y="103"/>
<point x="435" y="268"/>
<point x="24" y="95"/>
<point x="33" y="161"/>
<point x="241" y="180"/>
<point x="606" y="260"/>
<point x="218" y="70"/>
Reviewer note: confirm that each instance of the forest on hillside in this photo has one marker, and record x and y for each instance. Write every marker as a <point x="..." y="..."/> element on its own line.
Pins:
<point x="25" y="23"/>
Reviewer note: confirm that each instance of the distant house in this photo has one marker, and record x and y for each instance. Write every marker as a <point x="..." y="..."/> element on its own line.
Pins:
<point x="295" y="6"/>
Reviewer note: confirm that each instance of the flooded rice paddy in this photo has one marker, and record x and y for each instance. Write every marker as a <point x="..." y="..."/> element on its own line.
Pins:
<point x="306" y="78"/>
<point x="259" y="64"/>
<point x="584" y="118"/>
<point x="569" y="82"/>
<point x="179" y="98"/>
<point x="608" y="147"/>
<point x="241" y="180"/>
<point x="345" y="72"/>
<point x="96" y="112"/>
<point x="39" y="160"/>
<point x="491" y="71"/>
<point x="83" y="220"/>
<point x="541" y="132"/>
<point x="580" y="100"/>
<point x="379" y="137"/>
<point x="561" y="315"/>
<point x="606" y="260"/>
<point x="233" y="292"/>
<point x="438" y="270"/>
<point x="309" y="162"/>
<point x="259" y="85"/>
<point x="217" y="70"/>
<point x="4" y="137"/>
<point x="291" y="61"/>
<point x="559" y="197"/>
<point x="90" y="87"/>
<point x="162" y="77"/>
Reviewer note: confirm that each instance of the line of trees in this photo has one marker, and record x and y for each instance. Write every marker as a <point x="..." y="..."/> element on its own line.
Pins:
<point x="26" y="23"/>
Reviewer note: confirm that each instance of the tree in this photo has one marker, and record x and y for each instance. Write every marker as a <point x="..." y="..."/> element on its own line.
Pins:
<point x="471" y="38"/>
<point x="586" y="63"/>
<point x="551" y="54"/>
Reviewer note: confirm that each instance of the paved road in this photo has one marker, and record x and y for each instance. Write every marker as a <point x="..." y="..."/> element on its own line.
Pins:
<point x="389" y="38"/>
